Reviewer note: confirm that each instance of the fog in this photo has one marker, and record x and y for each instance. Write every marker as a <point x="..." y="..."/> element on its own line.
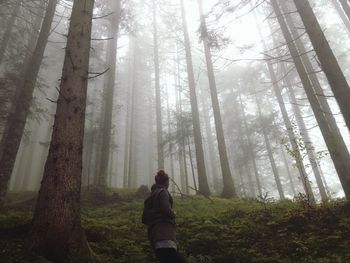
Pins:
<point x="141" y="113"/>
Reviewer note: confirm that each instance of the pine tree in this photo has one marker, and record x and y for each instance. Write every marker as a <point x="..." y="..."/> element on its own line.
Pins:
<point x="56" y="231"/>
<point x="229" y="189"/>
<point x="157" y="90"/>
<point x="202" y="176"/>
<point x="328" y="61"/>
<point x="23" y="96"/>
<point x="109" y="93"/>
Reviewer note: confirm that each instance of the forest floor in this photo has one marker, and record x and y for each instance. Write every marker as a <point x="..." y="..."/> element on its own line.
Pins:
<point x="215" y="230"/>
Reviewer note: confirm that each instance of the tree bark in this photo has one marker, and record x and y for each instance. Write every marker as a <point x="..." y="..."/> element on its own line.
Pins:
<point x="182" y="145"/>
<point x="286" y="165"/>
<point x="346" y="7"/>
<point x="228" y="185"/>
<point x="18" y="118"/>
<point x="306" y="138"/>
<point x="128" y="111"/>
<point x="210" y="142"/>
<point x="250" y="149"/>
<point x="171" y="145"/>
<point x="132" y="137"/>
<point x="269" y="149"/>
<point x="132" y="143"/>
<point x="328" y="61"/>
<point x="287" y="122"/>
<point x="317" y="109"/>
<point x="334" y="141"/>
<point x="198" y="142"/>
<point x="157" y="90"/>
<point x="56" y="231"/>
<point x="109" y="93"/>
<point x="7" y="35"/>
<point x="342" y="15"/>
<point x="307" y="86"/>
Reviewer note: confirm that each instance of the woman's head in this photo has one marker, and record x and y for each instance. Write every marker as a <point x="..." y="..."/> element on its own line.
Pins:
<point x="162" y="179"/>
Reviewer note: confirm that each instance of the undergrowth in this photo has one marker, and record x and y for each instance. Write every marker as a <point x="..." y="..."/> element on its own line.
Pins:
<point x="215" y="230"/>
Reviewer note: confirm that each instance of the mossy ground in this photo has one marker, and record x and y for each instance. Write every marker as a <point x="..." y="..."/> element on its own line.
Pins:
<point x="216" y="230"/>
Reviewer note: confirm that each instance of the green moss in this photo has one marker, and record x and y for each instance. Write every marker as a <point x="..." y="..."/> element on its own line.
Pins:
<point x="216" y="230"/>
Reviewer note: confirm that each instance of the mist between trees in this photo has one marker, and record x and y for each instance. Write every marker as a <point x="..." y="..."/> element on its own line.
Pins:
<point x="231" y="98"/>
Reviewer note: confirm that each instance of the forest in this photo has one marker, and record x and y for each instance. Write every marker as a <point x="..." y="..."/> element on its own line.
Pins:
<point x="244" y="103"/>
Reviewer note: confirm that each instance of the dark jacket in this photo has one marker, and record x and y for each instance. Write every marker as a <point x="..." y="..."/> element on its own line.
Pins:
<point x="158" y="215"/>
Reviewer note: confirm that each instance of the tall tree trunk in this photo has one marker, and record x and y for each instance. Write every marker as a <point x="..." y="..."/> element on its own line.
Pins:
<point x="182" y="145"/>
<point x="33" y="143"/>
<point x="19" y="170"/>
<point x="346" y="7"/>
<point x="110" y="168"/>
<point x="342" y="15"/>
<point x="171" y="145"/>
<point x="210" y="142"/>
<point x="5" y="111"/>
<point x="132" y="142"/>
<point x="286" y="165"/>
<point x="56" y="231"/>
<point x="250" y="152"/>
<point x="237" y="110"/>
<point x="228" y="189"/>
<point x="23" y="102"/>
<point x="128" y="111"/>
<point x="198" y="142"/>
<point x="268" y="147"/>
<point x="332" y="144"/>
<point x="334" y="141"/>
<point x="306" y="138"/>
<point x="157" y="89"/>
<point x="178" y="100"/>
<point x="191" y="163"/>
<point x="287" y="122"/>
<point x="306" y="82"/>
<point x="328" y="61"/>
<point x="150" y="157"/>
<point x="109" y="93"/>
<point x="241" y="186"/>
<point x="9" y="26"/>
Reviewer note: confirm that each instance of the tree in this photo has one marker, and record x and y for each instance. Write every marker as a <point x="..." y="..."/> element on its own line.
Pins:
<point x="228" y="189"/>
<point x="24" y="94"/>
<point x="250" y="150"/>
<point x="202" y="176"/>
<point x="180" y="130"/>
<point x="286" y="120"/>
<point x="157" y="90"/>
<point x="305" y="136"/>
<point x="268" y="146"/>
<point x="339" y="152"/>
<point x="328" y="61"/>
<point x="109" y="93"/>
<point x="342" y="15"/>
<point x="130" y="95"/>
<point x="346" y="7"/>
<point x="7" y="34"/>
<point x="56" y="231"/>
<point x="5" y="111"/>
<point x="336" y="150"/>
<point x="133" y="120"/>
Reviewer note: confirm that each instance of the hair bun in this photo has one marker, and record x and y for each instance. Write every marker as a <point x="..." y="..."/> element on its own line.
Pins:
<point x="161" y="173"/>
<point x="161" y="177"/>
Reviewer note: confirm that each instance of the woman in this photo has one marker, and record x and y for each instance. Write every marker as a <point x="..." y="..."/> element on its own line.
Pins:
<point x="159" y="216"/>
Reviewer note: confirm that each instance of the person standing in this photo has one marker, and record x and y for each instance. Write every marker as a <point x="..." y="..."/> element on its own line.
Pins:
<point x="159" y="216"/>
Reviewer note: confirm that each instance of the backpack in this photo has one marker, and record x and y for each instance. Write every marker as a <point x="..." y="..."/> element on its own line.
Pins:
<point x="150" y="213"/>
